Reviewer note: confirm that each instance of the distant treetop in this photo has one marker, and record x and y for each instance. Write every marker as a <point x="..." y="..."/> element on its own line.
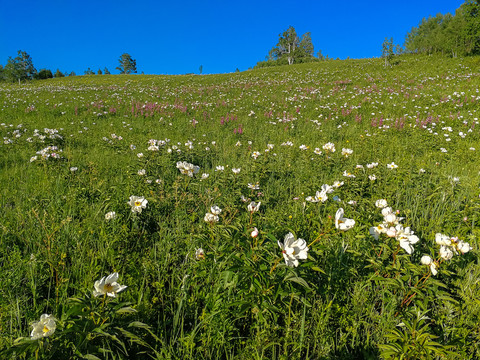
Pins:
<point x="290" y="49"/>
<point x="127" y="64"/>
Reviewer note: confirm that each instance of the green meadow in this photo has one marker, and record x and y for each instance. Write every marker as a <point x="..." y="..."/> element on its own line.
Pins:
<point x="215" y="200"/>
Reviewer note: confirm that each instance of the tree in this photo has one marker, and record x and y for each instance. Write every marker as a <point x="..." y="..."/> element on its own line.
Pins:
<point x="58" y="74"/>
<point x="387" y="51"/>
<point x="44" y="74"/>
<point x="89" y="72"/>
<point x="320" y="55"/>
<point x="72" y="74"/>
<point x="127" y="65"/>
<point x="200" y="69"/>
<point x="292" y="48"/>
<point x="455" y="35"/>
<point x="20" y="68"/>
<point x="99" y="72"/>
<point x="106" y="72"/>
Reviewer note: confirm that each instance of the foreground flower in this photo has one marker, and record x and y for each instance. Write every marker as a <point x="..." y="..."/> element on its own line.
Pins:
<point x="427" y="260"/>
<point x="319" y="196"/>
<point x="211" y="218"/>
<point x="327" y="189"/>
<point x="329" y="147"/>
<point x="254" y="233"/>
<point x="392" y="166"/>
<point x="381" y="203"/>
<point x="343" y="223"/>
<point x="43" y="328"/>
<point x="441" y="239"/>
<point x="110" y="215"/>
<point x="337" y="184"/>
<point x="108" y="286"/>
<point x="253" y="206"/>
<point x="463" y="247"/>
<point x="348" y="174"/>
<point x="293" y="249"/>
<point x="406" y="238"/>
<point x="347" y="152"/>
<point x="215" y="210"/>
<point x="445" y="252"/>
<point x="137" y="203"/>
<point x="199" y="254"/>
<point x="376" y="231"/>
<point x="256" y="154"/>
<point x="187" y="168"/>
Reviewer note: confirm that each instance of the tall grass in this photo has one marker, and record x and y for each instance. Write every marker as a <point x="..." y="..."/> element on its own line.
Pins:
<point x="353" y="297"/>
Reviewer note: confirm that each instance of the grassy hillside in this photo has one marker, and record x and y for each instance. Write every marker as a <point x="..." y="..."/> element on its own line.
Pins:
<point x="117" y="174"/>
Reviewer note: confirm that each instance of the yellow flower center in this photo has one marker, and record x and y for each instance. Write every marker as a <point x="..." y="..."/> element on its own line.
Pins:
<point x="108" y="288"/>
<point x="45" y="329"/>
<point x="138" y="203"/>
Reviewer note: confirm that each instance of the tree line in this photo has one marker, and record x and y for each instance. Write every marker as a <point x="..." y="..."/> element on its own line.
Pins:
<point x="454" y="35"/>
<point x="21" y="68"/>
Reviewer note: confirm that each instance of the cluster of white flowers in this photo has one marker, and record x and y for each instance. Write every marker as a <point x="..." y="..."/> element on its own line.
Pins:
<point x="212" y="216"/>
<point x="321" y="195"/>
<point x="187" y="168"/>
<point x="154" y="145"/>
<point x="329" y="147"/>
<point x="392" y="228"/>
<point x="450" y="246"/>
<point x="106" y="286"/>
<point x="347" y="152"/>
<point x="50" y="152"/>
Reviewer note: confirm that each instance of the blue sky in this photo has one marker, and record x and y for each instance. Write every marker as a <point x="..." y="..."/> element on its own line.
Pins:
<point x="176" y="37"/>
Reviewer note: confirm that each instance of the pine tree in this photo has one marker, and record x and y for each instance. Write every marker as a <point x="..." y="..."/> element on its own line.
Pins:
<point x="127" y="65"/>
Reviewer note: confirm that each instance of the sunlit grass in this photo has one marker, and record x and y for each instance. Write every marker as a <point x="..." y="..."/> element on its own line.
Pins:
<point x="241" y="300"/>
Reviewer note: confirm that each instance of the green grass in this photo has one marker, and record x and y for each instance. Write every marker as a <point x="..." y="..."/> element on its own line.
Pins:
<point x="241" y="301"/>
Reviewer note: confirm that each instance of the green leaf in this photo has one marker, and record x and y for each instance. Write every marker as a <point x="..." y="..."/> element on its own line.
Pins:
<point x="91" y="357"/>
<point x="316" y="268"/>
<point x="126" y="310"/>
<point x="296" y="279"/>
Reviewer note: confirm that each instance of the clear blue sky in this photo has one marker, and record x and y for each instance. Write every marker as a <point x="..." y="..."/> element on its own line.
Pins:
<point x="177" y="36"/>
